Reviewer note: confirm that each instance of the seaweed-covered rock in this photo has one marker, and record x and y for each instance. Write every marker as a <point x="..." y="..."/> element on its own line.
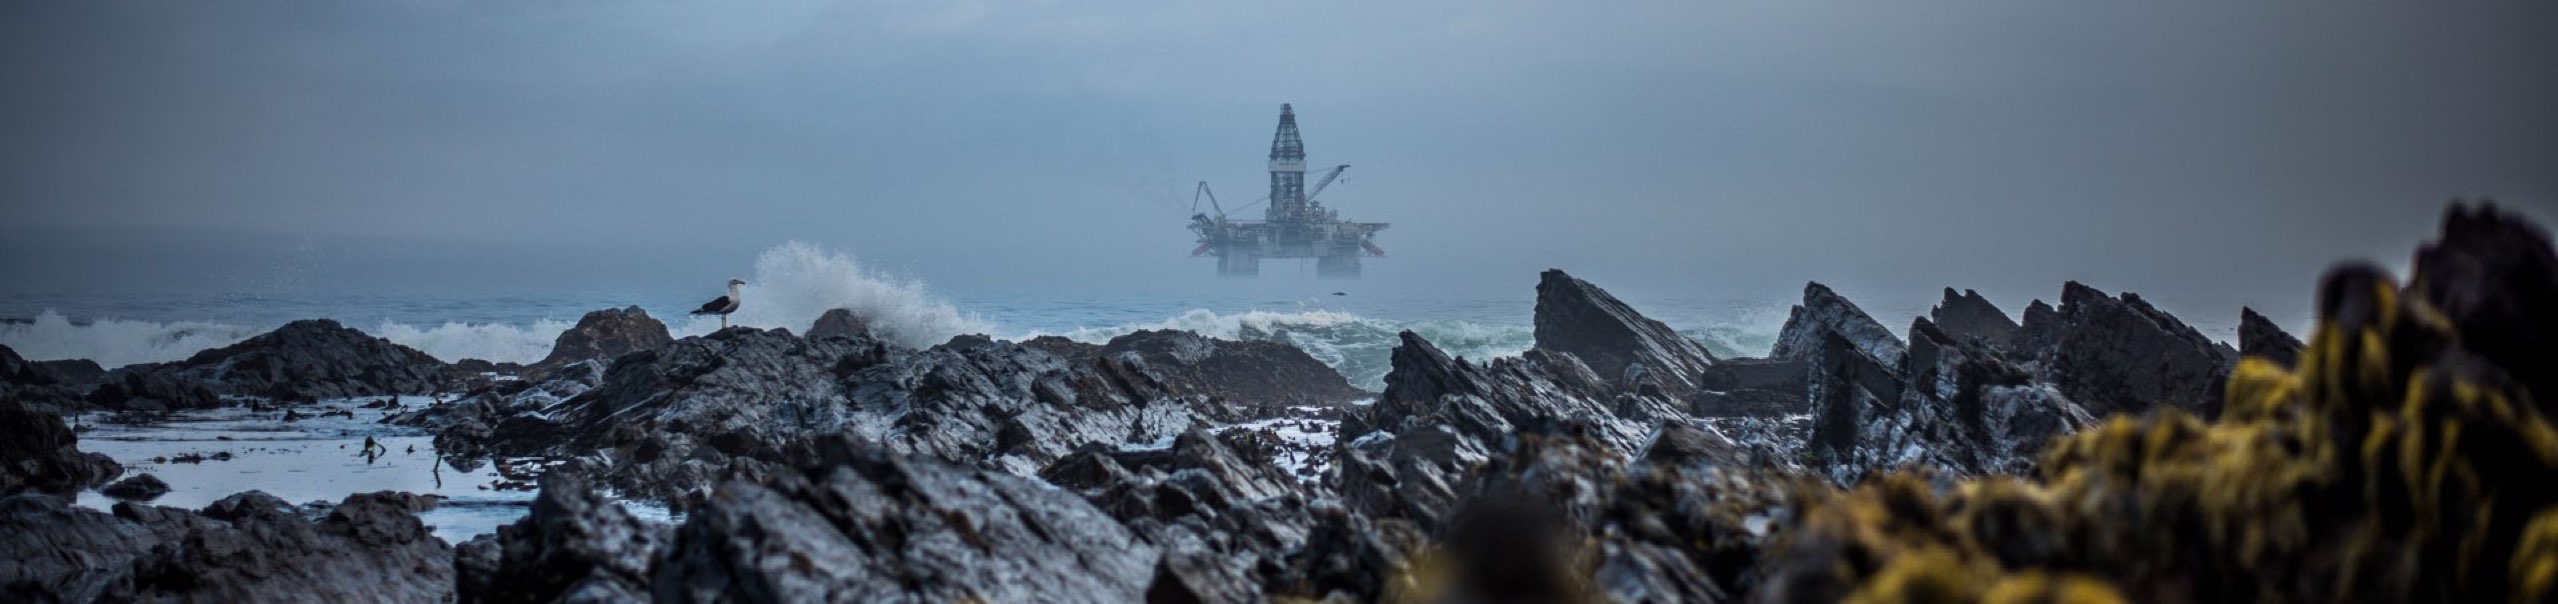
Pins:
<point x="605" y="335"/>
<point x="2260" y="337"/>
<point x="2121" y="355"/>
<point x="2394" y="463"/>
<point x="1576" y="318"/>
<point x="869" y="526"/>
<point x="41" y="454"/>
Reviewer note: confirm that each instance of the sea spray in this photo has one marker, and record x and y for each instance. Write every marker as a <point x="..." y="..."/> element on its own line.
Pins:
<point x="796" y="282"/>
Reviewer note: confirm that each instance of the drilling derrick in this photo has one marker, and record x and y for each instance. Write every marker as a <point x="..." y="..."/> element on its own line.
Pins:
<point x="1294" y="225"/>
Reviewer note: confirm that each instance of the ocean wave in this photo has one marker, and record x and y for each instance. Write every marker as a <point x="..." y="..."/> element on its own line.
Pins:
<point x="115" y="343"/>
<point x="454" y="341"/>
<point x="796" y="282"/>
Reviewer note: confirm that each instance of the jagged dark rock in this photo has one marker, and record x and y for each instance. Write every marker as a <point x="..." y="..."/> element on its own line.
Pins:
<point x="54" y="386"/>
<point x="140" y="487"/>
<point x="671" y="422"/>
<point x="303" y="360"/>
<point x="1968" y="315"/>
<point x="841" y="323"/>
<point x="868" y="525"/>
<point x="41" y="454"/>
<point x="1576" y="318"/>
<point x="605" y="335"/>
<point x="2121" y="355"/>
<point x="2037" y="334"/>
<point x="1825" y="312"/>
<point x="573" y="541"/>
<point x="1251" y="373"/>
<point x="1748" y="387"/>
<point x="1956" y="406"/>
<point x="249" y="547"/>
<point x="2260" y="337"/>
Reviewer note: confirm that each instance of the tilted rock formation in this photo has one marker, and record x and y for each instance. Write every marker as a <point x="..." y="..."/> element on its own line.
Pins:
<point x="2121" y="355"/>
<point x="1826" y="312"/>
<point x="605" y="335"/>
<point x="2394" y="463"/>
<point x="2260" y="337"/>
<point x="1249" y="373"/>
<point x="1576" y="318"/>
<point x="1968" y="315"/>
<point x="1956" y="407"/>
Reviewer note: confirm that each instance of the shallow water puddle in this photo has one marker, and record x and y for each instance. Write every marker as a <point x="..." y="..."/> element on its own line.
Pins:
<point x="310" y="459"/>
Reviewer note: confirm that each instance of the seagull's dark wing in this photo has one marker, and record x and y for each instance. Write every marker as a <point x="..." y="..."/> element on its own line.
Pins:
<point x="713" y="307"/>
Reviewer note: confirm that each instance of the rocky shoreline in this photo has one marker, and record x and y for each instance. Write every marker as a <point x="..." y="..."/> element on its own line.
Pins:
<point x="2098" y="449"/>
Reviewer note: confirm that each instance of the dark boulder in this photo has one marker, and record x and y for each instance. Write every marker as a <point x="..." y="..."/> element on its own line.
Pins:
<point x="573" y="541"/>
<point x="2121" y="355"/>
<point x="1968" y="315"/>
<point x="140" y="487"/>
<point x="1826" y="312"/>
<point x="309" y="359"/>
<point x="1576" y="318"/>
<point x="1748" y="387"/>
<point x="2260" y="337"/>
<point x="55" y="386"/>
<point x="865" y="525"/>
<point x="841" y="323"/>
<point x="1255" y="374"/>
<point x="41" y="454"/>
<point x="605" y="335"/>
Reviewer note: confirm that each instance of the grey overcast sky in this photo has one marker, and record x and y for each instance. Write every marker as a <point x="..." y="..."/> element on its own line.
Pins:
<point x="1668" y="147"/>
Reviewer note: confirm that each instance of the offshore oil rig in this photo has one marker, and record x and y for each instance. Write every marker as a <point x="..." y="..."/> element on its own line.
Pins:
<point x="1293" y="226"/>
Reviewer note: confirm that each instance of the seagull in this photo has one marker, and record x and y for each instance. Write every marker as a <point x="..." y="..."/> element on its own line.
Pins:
<point x="724" y="304"/>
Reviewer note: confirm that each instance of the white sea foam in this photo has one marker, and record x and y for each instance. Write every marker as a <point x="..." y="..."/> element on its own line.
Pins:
<point x="116" y="343"/>
<point x="796" y="282"/>
<point x="485" y="341"/>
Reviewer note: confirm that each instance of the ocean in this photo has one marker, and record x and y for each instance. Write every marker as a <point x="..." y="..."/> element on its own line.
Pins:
<point x="791" y="284"/>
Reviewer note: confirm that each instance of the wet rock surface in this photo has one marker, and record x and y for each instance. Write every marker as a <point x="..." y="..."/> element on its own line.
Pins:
<point x="140" y="487"/>
<point x="249" y="547"/>
<point x="574" y="543"/>
<point x="840" y="323"/>
<point x="867" y="525"/>
<point x="2099" y="450"/>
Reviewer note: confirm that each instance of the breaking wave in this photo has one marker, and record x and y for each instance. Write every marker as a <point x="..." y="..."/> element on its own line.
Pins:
<point x="115" y="343"/>
<point x="796" y="282"/>
<point x="454" y="341"/>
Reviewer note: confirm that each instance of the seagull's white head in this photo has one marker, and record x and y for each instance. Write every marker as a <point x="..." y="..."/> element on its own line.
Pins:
<point x="732" y="283"/>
